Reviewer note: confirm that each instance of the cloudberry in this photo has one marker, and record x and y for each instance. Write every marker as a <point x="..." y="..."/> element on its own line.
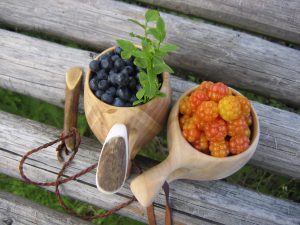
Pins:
<point x="229" y="108"/>
<point x="205" y="86"/>
<point x="219" y="148"/>
<point x="196" y="98"/>
<point x="201" y="143"/>
<point x="237" y="127"/>
<point x="245" y="105"/>
<point x="200" y="123"/>
<point x="238" y="144"/>
<point x="207" y="111"/>
<point x="190" y="131"/>
<point x="216" y="130"/>
<point x="217" y="91"/>
<point x="247" y="132"/>
<point x="184" y="106"/>
<point x="248" y="120"/>
<point x="183" y="119"/>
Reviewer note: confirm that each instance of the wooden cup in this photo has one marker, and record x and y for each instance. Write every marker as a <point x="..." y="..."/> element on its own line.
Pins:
<point x="143" y="122"/>
<point x="186" y="162"/>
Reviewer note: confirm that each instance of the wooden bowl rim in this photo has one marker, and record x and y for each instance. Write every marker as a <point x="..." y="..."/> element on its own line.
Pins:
<point x="165" y="76"/>
<point x="253" y="142"/>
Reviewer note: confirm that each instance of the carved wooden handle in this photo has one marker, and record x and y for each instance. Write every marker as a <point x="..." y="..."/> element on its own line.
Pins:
<point x="72" y="92"/>
<point x="147" y="185"/>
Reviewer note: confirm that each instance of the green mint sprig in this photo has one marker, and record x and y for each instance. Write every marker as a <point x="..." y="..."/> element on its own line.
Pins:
<point x="150" y="57"/>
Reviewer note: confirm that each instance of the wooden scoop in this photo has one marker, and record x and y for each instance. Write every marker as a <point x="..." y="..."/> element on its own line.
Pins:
<point x="72" y="92"/>
<point x="113" y="160"/>
<point x="185" y="162"/>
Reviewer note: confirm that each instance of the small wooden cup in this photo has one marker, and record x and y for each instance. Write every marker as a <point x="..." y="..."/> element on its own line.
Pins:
<point x="143" y="122"/>
<point x="186" y="162"/>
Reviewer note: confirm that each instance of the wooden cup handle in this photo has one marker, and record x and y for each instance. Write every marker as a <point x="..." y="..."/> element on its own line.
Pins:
<point x="72" y="92"/>
<point x="147" y="185"/>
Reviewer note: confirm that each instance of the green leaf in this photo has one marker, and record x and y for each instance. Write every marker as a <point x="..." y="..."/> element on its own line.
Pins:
<point x="154" y="32"/>
<point x="138" y="53"/>
<point x="160" y="26"/>
<point x="125" y="54"/>
<point x="140" y="94"/>
<point x="137" y="23"/>
<point x="125" y="45"/>
<point x="168" y="48"/>
<point x="143" y="78"/>
<point x="140" y="62"/>
<point x="151" y="15"/>
<point x="159" y="68"/>
<point x="157" y="60"/>
<point x="137" y="102"/>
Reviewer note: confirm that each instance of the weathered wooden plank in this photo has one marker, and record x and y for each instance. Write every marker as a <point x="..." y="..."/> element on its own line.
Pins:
<point x="212" y="52"/>
<point x="276" y="18"/>
<point x="16" y="210"/>
<point x="193" y="202"/>
<point x="39" y="70"/>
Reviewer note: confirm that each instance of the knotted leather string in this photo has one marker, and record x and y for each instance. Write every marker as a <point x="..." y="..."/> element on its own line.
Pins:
<point x="75" y="134"/>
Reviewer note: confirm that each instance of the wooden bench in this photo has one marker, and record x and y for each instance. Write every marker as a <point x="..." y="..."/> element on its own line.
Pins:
<point x="36" y="68"/>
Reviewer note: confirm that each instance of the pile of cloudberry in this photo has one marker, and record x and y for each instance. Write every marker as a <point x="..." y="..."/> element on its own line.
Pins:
<point x="214" y="121"/>
<point x="115" y="80"/>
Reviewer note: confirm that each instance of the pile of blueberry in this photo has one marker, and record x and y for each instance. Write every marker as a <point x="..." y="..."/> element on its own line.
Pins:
<point x="114" y="80"/>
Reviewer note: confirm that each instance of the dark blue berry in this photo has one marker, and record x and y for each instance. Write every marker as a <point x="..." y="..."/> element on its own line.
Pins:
<point x="128" y="104"/>
<point x="132" y="83"/>
<point x="103" y="85"/>
<point x="106" y="64"/>
<point x="115" y="57"/>
<point x="118" y="102"/>
<point x="112" y="78"/>
<point x="118" y="50"/>
<point x="95" y="65"/>
<point x="98" y="93"/>
<point x="111" y="90"/>
<point x="119" y="64"/>
<point x="93" y="84"/>
<point x="107" y="98"/>
<point x="129" y="62"/>
<point x="102" y="75"/>
<point x="124" y="93"/>
<point x="133" y="99"/>
<point x="138" y="87"/>
<point x="129" y="70"/>
<point x="122" y="79"/>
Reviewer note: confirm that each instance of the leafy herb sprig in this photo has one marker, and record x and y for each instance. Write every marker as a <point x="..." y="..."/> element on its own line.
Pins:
<point x="150" y="57"/>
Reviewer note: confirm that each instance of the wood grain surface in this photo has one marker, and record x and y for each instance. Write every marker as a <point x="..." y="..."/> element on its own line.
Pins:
<point x="16" y="211"/>
<point x="275" y="18"/>
<point x="209" y="51"/>
<point x="38" y="71"/>
<point x="215" y="202"/>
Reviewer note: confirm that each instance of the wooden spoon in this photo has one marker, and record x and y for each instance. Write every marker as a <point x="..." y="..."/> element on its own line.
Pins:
<point x="185" y="162"/>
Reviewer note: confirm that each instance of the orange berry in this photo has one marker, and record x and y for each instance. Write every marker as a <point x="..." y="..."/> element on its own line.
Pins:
<point x="248" y="120"/>
<point x="205" y="86"/>
<point x="207" y="111"/>
<point x="217" y="91"/>
<point x="190" y="131"/>
<point x="229" y="108"/>
<point x="201" y="143"/>
<point x="238" y="144"/>
<point x="199" y="123"/>
<point x="219" y="148"/>
<point x="183" y="119"/>
<point x="196" y="98"/>
<point x="237" y="127"/>
<point x="216" y="130"/>
<point x="184" y="106"/>
<point x="245" y="105"/>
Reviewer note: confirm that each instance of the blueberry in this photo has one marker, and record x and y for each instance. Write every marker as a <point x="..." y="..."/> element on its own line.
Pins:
<point x="138" y="87"/>
<point x="93" y="84"/>
<point x="106" y="64"/>
<point x="119" y="64"/>
<point x="112" y="78"/>
<point x="102" y="75"/>
<point x="118" y="50"/>
<point x="115" y="57"/>
<point x="94" y="65"/>
<point x="121" y="79"/>
<point x="129" y="62"/>
<point x="118" y="102"/>
<point x="132" y="83"/>
<point x="124" y="93"/>
<point x="107" y="98"/>
<point x="99" y="93"/>
<point x="133" y="99"/>
<point x="103" y="85"/>
<point x="111" y="90"/>
<point x="128" y="104"/>
<point x="138" y="69"/>
<point x="129" y="70"/>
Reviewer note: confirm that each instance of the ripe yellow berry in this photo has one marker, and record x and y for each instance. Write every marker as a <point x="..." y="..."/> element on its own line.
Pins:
<point x="229" y="108"/>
